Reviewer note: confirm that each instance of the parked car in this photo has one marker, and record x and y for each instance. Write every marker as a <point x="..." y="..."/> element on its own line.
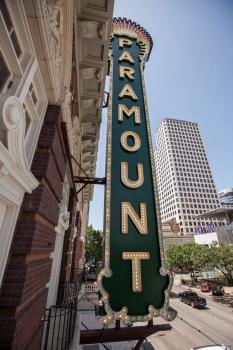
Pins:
<point x="212" y="347"/>
<point x="205" y="287"/>
<point x="217" y="290"/>
<point x="193" y="299"/>
<point x="91" y="274"/>
<point x="181" y="293"/>
<point x="184" y="281"/>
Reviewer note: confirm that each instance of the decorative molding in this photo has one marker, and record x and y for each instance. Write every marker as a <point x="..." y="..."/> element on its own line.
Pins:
<point x="4" y="171"/>
<point x="14" y="157"/>
<point x="76" y="142"/>
<point x="92" y="30"/>
<point x="53" y="16"/>
<point x="74" y="231"/>
<point x="123" y="26"/>
<point x="65" y="96"/>
<point x="92" y="26"/>
<point x="91" y="73"/>
<point x="90" y="102"/>
<point x="63" y="223"/>
<point x="51" y="26"/>
<point x="14" y="119"/>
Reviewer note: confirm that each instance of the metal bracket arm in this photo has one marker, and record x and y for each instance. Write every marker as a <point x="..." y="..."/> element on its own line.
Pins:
<point x="90" y="180"/>
<point x="107" y="335"/>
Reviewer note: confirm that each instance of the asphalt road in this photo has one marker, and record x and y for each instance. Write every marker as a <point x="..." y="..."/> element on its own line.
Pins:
<point x="195" y="327"/>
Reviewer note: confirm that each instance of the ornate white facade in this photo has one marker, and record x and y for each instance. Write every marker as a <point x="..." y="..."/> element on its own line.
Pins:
<point x="48" y="38"/>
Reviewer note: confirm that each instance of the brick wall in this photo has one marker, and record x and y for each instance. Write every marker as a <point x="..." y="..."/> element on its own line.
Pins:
<point x="23" y="294"/>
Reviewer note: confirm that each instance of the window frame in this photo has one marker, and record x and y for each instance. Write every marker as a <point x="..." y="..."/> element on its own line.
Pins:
<point x="5" y="86"/>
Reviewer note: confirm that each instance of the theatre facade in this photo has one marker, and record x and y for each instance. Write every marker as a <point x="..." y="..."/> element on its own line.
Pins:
<point x="53" y="63"/>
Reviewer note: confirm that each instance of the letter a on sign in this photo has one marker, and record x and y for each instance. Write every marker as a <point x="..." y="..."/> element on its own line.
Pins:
<point x="134" y="282"/>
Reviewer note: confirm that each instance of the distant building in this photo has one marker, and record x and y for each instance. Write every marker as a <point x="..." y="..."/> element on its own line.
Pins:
<point x="226" y="197"/>
<point x="222" y="234"/>
<point x="170" y="236"/>
<point x="206" y="238"/>
<point x="185" y="183"/>
<point x="223" y="215"/>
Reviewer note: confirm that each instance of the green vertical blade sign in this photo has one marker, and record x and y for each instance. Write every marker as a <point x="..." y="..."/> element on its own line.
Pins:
<point x="134" y="282"/>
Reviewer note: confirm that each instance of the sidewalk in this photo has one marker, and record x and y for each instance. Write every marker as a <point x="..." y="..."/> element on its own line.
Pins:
<point x="87" y="320"/>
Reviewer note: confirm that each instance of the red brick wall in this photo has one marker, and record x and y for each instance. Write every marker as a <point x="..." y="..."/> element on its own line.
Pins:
<point x="23" y="294"/>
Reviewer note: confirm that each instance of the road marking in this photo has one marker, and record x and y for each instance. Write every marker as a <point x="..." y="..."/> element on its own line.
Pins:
<point x="178" y="329"/>
<point x="193" y="322"/>
<point x="190" y="324"/>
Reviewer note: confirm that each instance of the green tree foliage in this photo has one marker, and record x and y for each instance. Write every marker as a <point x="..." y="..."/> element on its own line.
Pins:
<point x="201" y="257"/>
<point x="181" y="256"/>
<point x="194" y="257"/>
<point x="222" y="259"/>
<point x="94" y="243"/>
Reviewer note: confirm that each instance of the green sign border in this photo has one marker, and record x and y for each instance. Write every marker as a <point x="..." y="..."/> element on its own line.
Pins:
<point x="166" y="311"/>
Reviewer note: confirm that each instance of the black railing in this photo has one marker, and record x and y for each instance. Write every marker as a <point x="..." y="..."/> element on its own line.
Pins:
<point x="71" y="290"/>
<point x="59" y="320"/>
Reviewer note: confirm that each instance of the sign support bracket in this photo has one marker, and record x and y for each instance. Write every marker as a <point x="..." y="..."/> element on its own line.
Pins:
<point x="90" y="180"/>
<point x="110" y="335"/>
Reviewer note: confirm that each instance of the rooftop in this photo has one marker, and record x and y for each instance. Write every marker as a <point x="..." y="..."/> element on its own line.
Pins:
<point x="219" y="213"/>
<point x="179" y="120"/>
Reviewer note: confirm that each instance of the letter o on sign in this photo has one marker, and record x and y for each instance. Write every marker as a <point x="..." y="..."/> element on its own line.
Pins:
<point x="124" y="139"/>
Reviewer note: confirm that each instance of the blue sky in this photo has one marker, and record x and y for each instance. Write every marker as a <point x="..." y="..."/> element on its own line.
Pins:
<point x="189" y="76"/>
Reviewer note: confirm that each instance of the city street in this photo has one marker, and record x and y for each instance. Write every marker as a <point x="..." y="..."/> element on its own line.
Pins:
<point x="192" y="327"/>
<point x="196" y="327"/>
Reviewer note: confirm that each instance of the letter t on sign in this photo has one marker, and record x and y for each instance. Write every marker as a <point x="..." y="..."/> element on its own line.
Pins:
<point x="136" y="258"/>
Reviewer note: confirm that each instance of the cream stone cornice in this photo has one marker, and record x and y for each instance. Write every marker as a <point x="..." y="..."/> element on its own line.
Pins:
<point x="52" y="24"/>
<point x="93" y="27"/>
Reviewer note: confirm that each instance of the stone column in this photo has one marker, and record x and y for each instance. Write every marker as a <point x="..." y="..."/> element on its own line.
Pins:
<point x="63" y="225"/>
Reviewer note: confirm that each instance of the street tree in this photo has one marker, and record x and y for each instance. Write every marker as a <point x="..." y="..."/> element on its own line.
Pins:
<point x="94" y="245"/>
<point x="194" y="257"/>
<point x="222" y="258"/>
<point x="202" y="258"/>
<point x="182" y="257"/>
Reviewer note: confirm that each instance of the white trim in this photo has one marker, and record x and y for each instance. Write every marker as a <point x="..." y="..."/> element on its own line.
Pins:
<point x="57" y="257"/>
<point x="11" y="75"/>
<point x="6" y="234"/>
<point x="15" y="175"/>
<point x="62" y="226"/>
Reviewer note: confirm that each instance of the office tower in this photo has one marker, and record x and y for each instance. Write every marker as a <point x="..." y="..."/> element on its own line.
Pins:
<point x="185" y="182"/>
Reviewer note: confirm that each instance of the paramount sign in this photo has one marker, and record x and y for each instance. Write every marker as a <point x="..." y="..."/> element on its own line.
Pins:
<point x="134" y="282"/>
